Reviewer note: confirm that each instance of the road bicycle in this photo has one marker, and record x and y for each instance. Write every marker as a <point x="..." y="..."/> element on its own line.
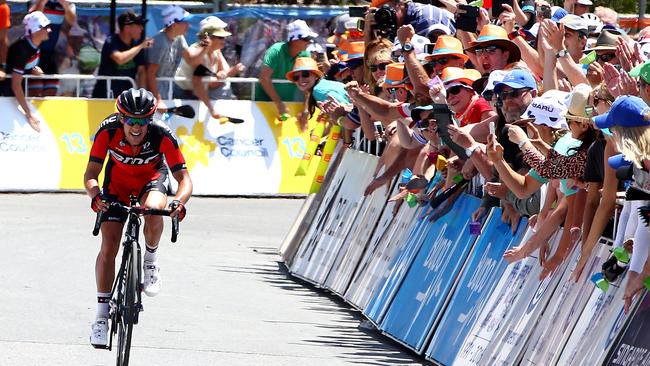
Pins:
<point x="126" y="300"/>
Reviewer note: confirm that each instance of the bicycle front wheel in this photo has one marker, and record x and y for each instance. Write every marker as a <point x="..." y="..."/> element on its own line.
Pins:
<point x="128" y="308"/>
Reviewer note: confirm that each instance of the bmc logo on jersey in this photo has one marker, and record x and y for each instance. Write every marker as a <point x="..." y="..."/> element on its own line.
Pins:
<point x="131" y="160"/>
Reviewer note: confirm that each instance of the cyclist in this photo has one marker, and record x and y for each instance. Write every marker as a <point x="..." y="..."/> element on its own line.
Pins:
<point x="140" y="152"/>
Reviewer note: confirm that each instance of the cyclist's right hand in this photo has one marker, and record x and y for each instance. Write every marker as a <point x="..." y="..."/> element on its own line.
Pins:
<point x="98" y="204"/>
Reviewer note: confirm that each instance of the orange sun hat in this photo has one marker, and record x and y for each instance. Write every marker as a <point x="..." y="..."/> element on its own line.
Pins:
<point x="355" y="49"/>
<point x="457" y="74"/>
<point x="394" y="76"/>
<point x="495" y="35"/>
<point x="447" y="46"/>
<point x="378" y="3"/>
<point x="304" y="64"/>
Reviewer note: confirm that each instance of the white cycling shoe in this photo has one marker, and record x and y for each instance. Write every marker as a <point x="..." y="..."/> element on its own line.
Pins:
<point x="99" y="333"/>
<point x="152" y="281"/>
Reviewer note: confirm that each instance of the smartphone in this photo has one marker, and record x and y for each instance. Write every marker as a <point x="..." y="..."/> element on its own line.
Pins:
<point x="492" y="128"/>
<point x="544" y="12"/>
<point x="428" y="48"/>
<point x="467" y="18"/>
<point x="497" y="7"/>
<point x="357" y="11"/>
<point x="361" y="23"/>
<point x="443" y="117"/>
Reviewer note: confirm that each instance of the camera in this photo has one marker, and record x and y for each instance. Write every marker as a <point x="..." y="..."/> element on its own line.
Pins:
<point x="385" y="22"/>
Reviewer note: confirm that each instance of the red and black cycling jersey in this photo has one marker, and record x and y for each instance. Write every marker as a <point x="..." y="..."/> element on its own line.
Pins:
<point x="144" y="161"/>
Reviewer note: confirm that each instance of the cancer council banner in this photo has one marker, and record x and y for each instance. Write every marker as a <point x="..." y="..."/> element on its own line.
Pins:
<point x="255" y="157"/>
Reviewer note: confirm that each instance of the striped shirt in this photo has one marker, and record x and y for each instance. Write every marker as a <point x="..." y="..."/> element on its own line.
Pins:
<point x="423" y="16"/>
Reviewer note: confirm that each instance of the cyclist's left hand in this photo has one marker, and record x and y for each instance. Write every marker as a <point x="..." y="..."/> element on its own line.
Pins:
<point x="178" y="208"/>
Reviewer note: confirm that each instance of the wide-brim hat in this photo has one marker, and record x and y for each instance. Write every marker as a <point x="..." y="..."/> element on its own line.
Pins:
<point x="355" y="50"/>
<point x="494" y="35"/>
<point x="394" y="76"/>
<point x="606" y="41"/>
<point x="460" y="75"/>
<point x="548" y="110"/>
<point x="304" y="64"/>
<point x="447" y="46"/>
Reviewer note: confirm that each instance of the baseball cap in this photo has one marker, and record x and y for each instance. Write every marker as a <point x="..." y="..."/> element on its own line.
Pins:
<point x="642" y="71"/>
<point x="129" y="17"/>
<point x="585" y="2"/>
<point x="298" y="29"/>
<point x="557" y="13"/>
<point x="517" y="79"/>
<point x="174" y="14"/>
<point x="35" y="21"/>
<point x="548" y="110"/>
<point x="213" y="26"/>
<point x="487" y="82"/>
<point x="626" y="111"/>
<point x="575" y="23"/>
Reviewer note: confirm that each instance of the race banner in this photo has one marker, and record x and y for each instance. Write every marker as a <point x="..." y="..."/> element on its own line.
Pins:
<point x="256" y="157"/>
<point x="481" y="272"/>
<point x="429" y="280"/>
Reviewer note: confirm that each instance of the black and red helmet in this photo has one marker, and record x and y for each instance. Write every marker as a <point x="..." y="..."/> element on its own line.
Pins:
<point x="137" y="103"/>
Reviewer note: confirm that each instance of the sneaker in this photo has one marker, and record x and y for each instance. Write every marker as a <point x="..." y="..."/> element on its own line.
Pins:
<point x="99" y="333"/>
<point x="152" y="279"/>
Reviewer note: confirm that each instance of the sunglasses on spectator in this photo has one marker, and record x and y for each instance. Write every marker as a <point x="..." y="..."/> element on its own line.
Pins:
<point x="426" y="123"/>
<point x="455" y="90"/>
<point x="132" y="121"/>
<point x="303" y="74"/>
<point x="488" y="95"/>
<point x="514" y="93"/>
<point x="347" y="79"/>
<point x="377" y="67"/>
<point x="442" y="61"/>
<point x="490" y="50"/>
<point x="606" y="57"/>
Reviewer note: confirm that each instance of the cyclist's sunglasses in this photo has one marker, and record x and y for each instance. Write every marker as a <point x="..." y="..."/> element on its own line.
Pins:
<point x="296" y="76"/>
<point x="378" y="67"/>
<point x="132" y="121"/>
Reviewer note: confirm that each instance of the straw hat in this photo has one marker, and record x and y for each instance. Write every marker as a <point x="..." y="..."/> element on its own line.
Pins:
<point x="394" y="76"/>
<point x="355" y="49"/>
<point x="304" y="64"/>
<point x="577" y="103"/>
<point x="447" y="46"/>
<point x="460" y="75"/>
<point x="494" y="35"/>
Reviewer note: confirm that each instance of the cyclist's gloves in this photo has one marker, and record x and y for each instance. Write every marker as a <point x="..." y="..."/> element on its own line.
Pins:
<point x="174" y="205"/>
<point x="94" y="203"/>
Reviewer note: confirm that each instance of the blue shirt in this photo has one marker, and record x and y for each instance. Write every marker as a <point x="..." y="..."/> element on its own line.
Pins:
<point x="423" y="16"/>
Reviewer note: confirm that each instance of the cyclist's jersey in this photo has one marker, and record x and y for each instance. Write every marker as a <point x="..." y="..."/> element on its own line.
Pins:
<point x="147" y="162"/>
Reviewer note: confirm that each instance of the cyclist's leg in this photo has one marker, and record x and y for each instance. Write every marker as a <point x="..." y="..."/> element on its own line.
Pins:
<point x="153" y="196"/>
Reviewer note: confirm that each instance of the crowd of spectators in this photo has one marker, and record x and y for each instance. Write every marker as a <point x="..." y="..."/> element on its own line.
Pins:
<point x="540" y="110"/>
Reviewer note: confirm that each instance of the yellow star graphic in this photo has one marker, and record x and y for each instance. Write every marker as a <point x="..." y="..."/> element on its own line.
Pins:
<point x="195" y="147"/>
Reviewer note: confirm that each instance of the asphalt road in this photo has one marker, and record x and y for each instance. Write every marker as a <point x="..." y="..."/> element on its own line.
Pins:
<point x="226" y="300"/>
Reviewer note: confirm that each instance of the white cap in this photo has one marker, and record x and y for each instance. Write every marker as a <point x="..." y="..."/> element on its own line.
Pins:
<point x="549" y="109"/>
<point x="439" y="27"/>
<point x="298" y="29"/>
<point x="351" y="23"/>
<point x="174" y="14"/>
<point x="575" y="23"/>
<point x="35" y="21"/>
<point x="315" y="47"/>
<point x="495" y="77"/>
<point x="212" y="22"/>
<point x="645" y="51"/>
<point x="585" y="2"/>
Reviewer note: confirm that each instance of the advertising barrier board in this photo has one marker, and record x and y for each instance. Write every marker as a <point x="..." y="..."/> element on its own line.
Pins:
<point x="428" y="282"/>
<point x="481" y="272"/>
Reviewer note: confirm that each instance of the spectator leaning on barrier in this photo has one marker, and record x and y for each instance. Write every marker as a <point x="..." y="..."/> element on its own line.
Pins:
<point x="5" y="24"/>
<point x="211" y="62"/>
<point x="22" y="58"/>
<point x="60" y="13"/>
<point x="278" y="60"/>
<point x="468" y="107"/>
<point x="164" y="56"/>
<point x="122" y="55"/>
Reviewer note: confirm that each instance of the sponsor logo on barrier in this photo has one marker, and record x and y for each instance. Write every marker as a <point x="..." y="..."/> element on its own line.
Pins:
<point x="242" y="148"/>
<point x="12" y="142"/>
<point x="616" y="327"/>
<point x="630" y="355"/>
<point x="541" y="289"/>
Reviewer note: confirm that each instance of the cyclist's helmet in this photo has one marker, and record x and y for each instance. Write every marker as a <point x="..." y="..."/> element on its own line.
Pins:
<point x="137" y="103"/>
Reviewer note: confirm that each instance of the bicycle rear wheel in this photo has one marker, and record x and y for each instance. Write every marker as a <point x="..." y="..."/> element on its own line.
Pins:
<point x="128" y="310"/>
